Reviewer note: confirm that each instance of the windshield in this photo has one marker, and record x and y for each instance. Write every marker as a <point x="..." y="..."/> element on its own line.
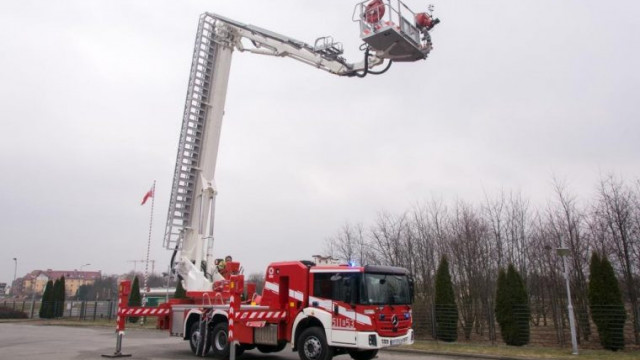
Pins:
<point x="382" y="289"/>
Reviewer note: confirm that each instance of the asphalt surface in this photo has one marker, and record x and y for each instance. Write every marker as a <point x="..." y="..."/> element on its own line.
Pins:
<point x="26" y="341"/>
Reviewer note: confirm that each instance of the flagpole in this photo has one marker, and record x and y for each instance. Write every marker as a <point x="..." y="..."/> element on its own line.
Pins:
<point x="146" y="266"/>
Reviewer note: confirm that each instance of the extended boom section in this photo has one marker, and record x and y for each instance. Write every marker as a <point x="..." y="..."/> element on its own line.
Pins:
<point x="189" y="228"/>
<point x="390" y="31"/>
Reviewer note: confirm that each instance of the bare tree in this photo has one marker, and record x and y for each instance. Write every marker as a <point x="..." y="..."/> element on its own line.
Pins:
<point x="258" y="279"/>
<point x="425" y="233"/>
<point x="350" y="245"/>
<point x="545" y="282"/>
<point x="387" y="239"/>
<point x="494" y="213"/>
<point x="617" y="206"/>
<point x="472" y="266"/>
<point x="507" y="229"/>
<point x="567" y="222"/>
<point x="517" y="225"/>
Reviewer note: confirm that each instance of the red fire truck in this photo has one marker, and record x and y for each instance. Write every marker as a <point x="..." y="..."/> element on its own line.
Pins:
<point x="322" y="310"/>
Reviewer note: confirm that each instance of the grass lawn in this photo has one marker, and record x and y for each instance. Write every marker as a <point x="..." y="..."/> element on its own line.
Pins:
<point x="525" y="352"/>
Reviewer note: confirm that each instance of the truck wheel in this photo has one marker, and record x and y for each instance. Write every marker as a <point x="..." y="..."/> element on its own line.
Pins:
<point x="363" y="355"/>
<point x="197" y="341"/>
<point x="312" y="345"/>
<point x="219" y="341"/>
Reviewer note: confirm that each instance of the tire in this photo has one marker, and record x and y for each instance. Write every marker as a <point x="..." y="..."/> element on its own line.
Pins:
<point x="363" y="355"/>
<point x="196" y="341"/>
<point x="312" y="345"/>
<point x="219" y="340"/>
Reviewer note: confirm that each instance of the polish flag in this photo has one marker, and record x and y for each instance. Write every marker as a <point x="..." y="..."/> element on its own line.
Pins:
<point x="147" y="196"/>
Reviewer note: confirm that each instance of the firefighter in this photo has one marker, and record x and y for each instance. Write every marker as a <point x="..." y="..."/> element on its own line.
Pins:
<point x="221" y="265"/>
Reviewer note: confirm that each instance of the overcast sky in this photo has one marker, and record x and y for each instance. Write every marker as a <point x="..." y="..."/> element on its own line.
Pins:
<point x="92" y="94"/>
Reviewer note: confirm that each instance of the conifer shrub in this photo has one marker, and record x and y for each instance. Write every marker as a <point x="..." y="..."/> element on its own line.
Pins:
<point x="59" y="297"/>
<point x="135" y="299"/>
<point x="446" y="310"/>
<point x="512" y="307"/>
<point x="605" y="303"/>
<point x="46" y="306"/>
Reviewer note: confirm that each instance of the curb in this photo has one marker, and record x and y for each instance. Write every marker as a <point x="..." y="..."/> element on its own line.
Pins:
<point x="463" y="355"/>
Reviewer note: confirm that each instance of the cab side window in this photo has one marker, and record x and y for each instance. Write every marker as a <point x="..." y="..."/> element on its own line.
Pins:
<point x="322" y="285"/>
<point x="336" y="286"/>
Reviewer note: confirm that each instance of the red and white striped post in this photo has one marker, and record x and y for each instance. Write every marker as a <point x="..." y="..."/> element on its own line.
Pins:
<point x="123" y="298"/>
<point x="237" y="287"/>
<point x="232" y="318"/>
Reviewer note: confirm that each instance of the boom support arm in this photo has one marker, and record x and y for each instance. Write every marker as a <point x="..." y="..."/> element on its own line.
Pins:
<point x="324" y="54"/>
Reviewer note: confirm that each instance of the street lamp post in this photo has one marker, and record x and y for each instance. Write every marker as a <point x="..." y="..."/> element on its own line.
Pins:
<point x="81" y="266"/>
<point x="563" y="253"/>
<point x="15" y="272"/>
<point x="15" y="269"/>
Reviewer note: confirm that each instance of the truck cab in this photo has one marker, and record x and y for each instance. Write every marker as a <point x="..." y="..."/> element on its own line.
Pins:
<point x="350" y="309"/>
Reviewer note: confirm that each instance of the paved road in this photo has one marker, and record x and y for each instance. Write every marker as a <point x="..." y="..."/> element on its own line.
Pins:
<point x="25" y="341"/>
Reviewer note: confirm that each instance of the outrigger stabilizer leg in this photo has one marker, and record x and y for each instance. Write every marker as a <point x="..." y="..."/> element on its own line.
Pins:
<point x="123" y="294"/>
<point x="118" y="353"/>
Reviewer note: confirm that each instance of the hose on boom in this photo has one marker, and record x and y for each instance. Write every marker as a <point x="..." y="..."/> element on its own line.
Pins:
<point x="366" y="70"/>
<point x="173" y="258"/>
<point x="383" y="70"/>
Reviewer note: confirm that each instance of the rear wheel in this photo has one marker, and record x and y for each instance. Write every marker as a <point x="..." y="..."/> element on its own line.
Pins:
<point x="363" y="355"/>
<point x="220" y="342"/>
<point x="196" y="341"/>
<point x="312" y="345"/>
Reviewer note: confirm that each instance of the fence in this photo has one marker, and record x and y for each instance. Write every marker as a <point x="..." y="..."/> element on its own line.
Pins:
<point x="79" y="310"/>
<point x="479" y="325"/>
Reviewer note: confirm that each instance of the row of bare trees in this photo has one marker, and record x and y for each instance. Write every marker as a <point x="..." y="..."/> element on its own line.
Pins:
<point x="479" y="239"/>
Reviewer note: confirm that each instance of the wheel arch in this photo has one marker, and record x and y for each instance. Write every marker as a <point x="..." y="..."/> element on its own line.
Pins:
<point x="195" y="315"/>
<point x="192" y="317"/>
<point x="310" y="318"/>
<point x="218" y="317"/>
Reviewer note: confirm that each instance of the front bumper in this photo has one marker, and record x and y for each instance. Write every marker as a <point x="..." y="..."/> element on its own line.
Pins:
<point x="371" y="340"/>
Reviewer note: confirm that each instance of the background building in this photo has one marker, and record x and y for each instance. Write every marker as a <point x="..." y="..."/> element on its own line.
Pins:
<point x="35" y="281"/>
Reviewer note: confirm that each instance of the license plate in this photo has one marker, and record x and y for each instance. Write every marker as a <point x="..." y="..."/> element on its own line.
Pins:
<point x="396" y="342"/>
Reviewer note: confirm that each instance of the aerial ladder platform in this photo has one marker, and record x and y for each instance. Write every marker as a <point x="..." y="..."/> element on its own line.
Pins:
<point x="390" y="31"/>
